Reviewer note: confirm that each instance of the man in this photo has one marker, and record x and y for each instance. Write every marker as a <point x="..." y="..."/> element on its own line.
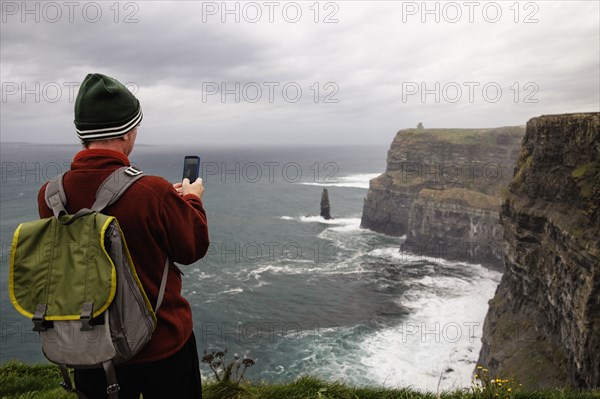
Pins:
<point x="159" y="220"/>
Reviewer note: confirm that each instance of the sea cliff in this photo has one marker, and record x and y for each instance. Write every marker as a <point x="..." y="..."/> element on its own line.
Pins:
<point x="442" y="189"/>
<point x="543" y="324"/>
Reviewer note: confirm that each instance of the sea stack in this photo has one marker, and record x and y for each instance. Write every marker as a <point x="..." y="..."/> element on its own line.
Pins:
<point x="325" y="213"/>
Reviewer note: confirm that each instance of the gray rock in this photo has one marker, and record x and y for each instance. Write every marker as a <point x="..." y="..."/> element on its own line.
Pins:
<point x="325" y="211"/>
<point x="543" y="324"/>
<point x="442" y="189"/>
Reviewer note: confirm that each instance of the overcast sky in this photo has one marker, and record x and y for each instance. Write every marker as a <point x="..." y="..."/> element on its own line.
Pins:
<point x="351" y="72"/>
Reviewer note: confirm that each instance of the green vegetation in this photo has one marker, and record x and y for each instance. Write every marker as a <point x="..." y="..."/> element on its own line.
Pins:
<point x="469" y="136"/>
<point x="586" y="176"/>
<point x="21" y="381"/>
<point x="470" y="198"/>
<point x="582" y="170"/>
<point x="522" y="168"/>
<point x="405" y="179"/>
<point x="18" y="380"/>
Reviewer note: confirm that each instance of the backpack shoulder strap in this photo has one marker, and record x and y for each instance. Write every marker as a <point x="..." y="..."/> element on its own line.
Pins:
<point x="114" y="186"/>
<point x="55" y="196"/>
<point x="108" y="193"/>
<point x="163" y="286"/>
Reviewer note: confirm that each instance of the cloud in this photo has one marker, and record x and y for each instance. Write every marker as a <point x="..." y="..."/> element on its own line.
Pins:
<point x="294" y="80"/>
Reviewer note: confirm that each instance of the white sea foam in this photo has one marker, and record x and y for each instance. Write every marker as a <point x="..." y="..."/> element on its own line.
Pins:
<point x="233" y="291"/>
<point x="335" y="222"/>
<point x="332" y="353"/>
<point x="301" y="266"/>
<point x="339" y="224"/>
<point x="355" y="181"/>
<point x="399" y="254"/>
<point x="344" y="225"/>
<point x="442" y="335"/>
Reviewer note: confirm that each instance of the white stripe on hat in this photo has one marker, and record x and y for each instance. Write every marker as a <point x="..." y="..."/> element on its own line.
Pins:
<point x="111" y="131"/>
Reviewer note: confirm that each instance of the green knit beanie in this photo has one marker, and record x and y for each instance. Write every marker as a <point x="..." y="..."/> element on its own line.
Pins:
<point x="105" y="109"/>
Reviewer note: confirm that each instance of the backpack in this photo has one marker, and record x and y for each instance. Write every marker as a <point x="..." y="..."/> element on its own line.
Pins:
<point x="73" y="276"/>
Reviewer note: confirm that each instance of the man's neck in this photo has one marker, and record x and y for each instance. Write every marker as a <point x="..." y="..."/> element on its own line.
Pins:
<point x="98" y="145"/>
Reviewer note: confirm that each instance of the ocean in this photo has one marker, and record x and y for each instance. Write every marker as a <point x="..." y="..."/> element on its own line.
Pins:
<point x="298" y="294"/>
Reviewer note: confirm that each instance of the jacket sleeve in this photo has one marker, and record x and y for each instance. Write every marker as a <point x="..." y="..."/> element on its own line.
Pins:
<point x="185" y="227"/>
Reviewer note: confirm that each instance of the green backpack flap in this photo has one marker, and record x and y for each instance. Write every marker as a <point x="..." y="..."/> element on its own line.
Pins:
<point x="73" y="276"/>
<point x="61" y="267"/>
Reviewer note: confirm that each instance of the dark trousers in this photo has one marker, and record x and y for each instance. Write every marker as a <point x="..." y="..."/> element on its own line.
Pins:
<point x="177" y="376"/>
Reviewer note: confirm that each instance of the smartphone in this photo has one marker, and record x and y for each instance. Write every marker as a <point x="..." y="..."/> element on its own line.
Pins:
<point x="191" y="168"/>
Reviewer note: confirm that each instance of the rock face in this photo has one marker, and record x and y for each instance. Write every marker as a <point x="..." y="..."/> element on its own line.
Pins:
<point x="325" y="211"/>
<point x="452" y="224"/>
<point x="543" y="325"/>
<point x="441" y="189"/>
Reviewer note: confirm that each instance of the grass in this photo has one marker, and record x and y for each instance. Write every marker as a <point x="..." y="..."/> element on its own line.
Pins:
<point x="586" y="177"/>
<point x="20" y="381"/>
<point x="470" y="198"/>
<point x="485" y="136"/>
<point x="582" y="170"/>
<point x="522" y="168"/>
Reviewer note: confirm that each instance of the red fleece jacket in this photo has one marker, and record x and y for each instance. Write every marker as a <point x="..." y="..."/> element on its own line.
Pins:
<point x="157" y="223"/>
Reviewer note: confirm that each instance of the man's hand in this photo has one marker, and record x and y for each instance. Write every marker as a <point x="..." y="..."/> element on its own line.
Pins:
<point x="195" y="188"/>
<point x="177" y="187"/>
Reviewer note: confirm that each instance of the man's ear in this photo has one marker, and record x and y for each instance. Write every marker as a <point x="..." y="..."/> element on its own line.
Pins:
<point x="128" y="136"/>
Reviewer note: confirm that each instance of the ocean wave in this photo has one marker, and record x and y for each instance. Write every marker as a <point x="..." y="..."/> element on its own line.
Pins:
<point x="342" y="225"/>
<point x="355" y="181"/>
<point x="442" y="336"/>
<point x="307" y="267"/>
<point x="332" y="353"/>
<point x="233" y="291"/>
<point x="319" y="219"/>
<point x="439" y="336"/>
<point x="396" y="253"/>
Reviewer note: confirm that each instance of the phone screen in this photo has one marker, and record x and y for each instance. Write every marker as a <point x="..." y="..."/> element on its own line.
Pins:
<point x="191" y="168"/>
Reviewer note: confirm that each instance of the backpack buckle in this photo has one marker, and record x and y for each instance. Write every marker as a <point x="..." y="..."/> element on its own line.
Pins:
<point x="86" y="316"/>
<point x="112" y="389"/>
<point x="38" y="317"/>
<point x="132" y="171"/>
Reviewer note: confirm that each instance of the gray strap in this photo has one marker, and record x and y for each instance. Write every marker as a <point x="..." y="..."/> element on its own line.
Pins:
<point x="66" y="220"/>
<point x="67" y="384"/>
<point x="114" y="186"/>
<point x="39" y="316"/>
<point x="108" y="193"/>
<point x="55" y="196"/>
<point x="163" y="285"/>
<point x="112" y="386"/>
<point x="80" y="213"/>
<point x="86" y="316"/>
